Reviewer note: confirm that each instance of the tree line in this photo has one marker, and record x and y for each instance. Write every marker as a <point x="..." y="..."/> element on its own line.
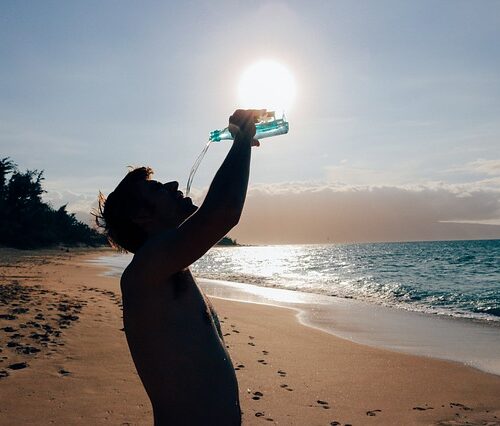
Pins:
<point x="27" y="222"/>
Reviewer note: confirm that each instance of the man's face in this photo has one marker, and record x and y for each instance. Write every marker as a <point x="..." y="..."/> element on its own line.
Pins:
<point x="169" y="207"/>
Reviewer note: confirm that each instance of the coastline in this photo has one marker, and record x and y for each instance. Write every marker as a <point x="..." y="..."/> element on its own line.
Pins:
<point x="469" y="341"/>
<point x="287" y="372"/>
<point x="462" y="340"/>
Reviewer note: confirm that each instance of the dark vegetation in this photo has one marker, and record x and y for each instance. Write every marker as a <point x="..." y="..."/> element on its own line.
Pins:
<point x="27" y="222"/>
<point x="226" y="241"/>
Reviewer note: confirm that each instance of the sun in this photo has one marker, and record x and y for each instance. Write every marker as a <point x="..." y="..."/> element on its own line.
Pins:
<point x="267" y="84"/>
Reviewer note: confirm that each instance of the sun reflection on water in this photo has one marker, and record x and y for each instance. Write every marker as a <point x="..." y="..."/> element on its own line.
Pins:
<point x="267" y="261"/>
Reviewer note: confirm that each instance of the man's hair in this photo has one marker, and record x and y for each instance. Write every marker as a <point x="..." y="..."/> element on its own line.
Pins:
<point x="114" y="213"/>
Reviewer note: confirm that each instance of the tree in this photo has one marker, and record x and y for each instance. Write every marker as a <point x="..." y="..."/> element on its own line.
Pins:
<point x="6" y="167"/>
<point x="28" y="222"/>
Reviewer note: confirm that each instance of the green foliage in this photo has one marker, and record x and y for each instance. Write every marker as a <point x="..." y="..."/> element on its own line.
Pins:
<point x="27" y="222"/>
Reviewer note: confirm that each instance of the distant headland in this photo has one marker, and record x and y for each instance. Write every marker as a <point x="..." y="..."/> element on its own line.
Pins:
<point x="227" y="241"/>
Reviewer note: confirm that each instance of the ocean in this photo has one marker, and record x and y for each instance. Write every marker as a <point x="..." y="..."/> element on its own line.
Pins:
<point x="455" y="278"/>
<point x="439" y="299"/>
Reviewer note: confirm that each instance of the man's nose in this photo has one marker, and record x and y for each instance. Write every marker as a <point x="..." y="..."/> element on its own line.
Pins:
<point x="172" y="186"/>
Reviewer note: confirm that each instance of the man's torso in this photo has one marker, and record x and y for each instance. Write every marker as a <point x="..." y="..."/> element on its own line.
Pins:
<point x="181" y="359"/>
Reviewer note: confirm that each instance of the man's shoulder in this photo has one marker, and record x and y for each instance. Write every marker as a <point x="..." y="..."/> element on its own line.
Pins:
<point x="128" y="277"/>
<point x="138" y="272"/>
<point x="145" y="273"/>
<point x="129" y="271"/>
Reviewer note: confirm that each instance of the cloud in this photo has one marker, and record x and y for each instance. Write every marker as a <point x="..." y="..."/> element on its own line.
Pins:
<point x="356" y="175"/>
<point x="482" y="166"/>
<point x="324" y="212"/>
<point x="79" y="203"/>
<point x="307" y="213"/>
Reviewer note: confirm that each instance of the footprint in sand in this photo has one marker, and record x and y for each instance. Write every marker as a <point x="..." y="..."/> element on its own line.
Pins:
<point x="251" y="343"/>
<point x="262" y="361"/>
<point x="18" y="366"/>
<point x="8" y="317"/>
<point x="372" y="413"/>
<point x="282" y="373"/>
<point x="27" y="350"/>
<point x="64" y="372"/>
<point x="461" y="406"/>
<point x="3" y="373"/>
<point x="285" y="386"/>
<point x="262" y="414"/>
<point x="323" y="404"/>
<point x="257" y="395"/>
<point x="265" y="352"/>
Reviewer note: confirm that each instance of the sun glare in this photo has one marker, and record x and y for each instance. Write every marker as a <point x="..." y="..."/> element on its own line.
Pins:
<point x="267" y="84"/>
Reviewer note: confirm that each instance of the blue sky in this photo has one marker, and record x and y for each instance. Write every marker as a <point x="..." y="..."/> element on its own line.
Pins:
<point x="394" y="94"/>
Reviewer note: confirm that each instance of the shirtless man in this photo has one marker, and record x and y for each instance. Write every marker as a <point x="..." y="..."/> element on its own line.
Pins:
<point x="172" y="331"/>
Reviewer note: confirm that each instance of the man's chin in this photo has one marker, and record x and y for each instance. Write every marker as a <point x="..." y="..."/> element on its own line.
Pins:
<point x="190" y="208"/>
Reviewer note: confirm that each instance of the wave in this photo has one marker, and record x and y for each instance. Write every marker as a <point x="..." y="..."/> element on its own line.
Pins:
<point x="396" y="297"/>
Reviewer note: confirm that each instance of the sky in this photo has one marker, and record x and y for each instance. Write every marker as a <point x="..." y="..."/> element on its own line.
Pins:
<point x="394" y="131"/>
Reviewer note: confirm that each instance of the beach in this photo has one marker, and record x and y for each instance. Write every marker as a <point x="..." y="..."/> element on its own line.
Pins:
<point x="64" y="360"/>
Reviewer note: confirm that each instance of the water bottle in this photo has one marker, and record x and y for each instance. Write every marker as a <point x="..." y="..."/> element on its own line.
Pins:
<point x="266" y="127"/>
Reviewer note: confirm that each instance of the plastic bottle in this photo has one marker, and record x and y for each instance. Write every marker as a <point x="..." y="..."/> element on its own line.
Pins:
<point x="267" y="126"/>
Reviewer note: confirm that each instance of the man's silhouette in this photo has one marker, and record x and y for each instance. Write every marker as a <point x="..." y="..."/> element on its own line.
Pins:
<point x="171" y="328"/>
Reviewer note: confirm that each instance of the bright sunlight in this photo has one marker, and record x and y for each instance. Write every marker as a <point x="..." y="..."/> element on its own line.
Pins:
<point x="267" y="84"/>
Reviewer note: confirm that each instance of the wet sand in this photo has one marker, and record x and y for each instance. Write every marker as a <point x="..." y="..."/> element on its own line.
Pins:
<point x="64" y="360"/>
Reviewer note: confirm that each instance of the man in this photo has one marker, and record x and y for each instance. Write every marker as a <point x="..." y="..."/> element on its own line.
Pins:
<point x="172" y="331"/>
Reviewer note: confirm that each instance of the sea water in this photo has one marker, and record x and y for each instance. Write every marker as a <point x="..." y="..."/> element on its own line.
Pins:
<point x="439" y="299"/>
<point x="455" y="278"/>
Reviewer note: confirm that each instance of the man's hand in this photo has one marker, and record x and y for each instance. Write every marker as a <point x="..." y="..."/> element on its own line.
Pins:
<point x="242" y="123"/>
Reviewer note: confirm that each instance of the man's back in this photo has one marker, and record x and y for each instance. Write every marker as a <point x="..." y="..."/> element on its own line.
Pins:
<point x="180" y="358"/>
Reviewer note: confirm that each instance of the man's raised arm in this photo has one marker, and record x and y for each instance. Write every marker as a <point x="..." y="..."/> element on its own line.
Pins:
<point x="175" y="249"/>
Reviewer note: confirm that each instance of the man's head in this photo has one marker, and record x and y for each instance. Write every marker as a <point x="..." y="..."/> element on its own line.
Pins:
<point x="139" y="208"/>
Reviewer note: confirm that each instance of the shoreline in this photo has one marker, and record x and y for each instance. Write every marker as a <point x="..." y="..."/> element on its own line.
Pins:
<point x="288" y="373"/>
<point x="378" y="326"/>
<point x="472" y="342"/>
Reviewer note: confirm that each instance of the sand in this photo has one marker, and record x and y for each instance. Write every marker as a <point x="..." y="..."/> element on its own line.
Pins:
<point x="64" y="360"/>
